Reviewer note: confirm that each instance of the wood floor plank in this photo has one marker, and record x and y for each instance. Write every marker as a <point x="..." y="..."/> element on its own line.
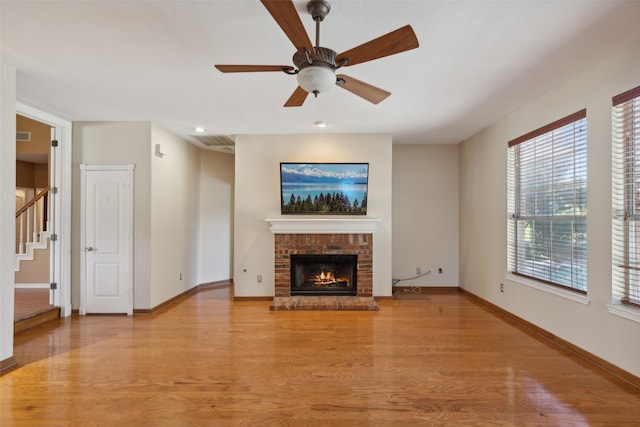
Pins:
<point x="208" y="361"/>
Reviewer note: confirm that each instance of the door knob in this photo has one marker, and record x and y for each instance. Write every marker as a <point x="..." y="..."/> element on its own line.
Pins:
<point x="88" y="249"/>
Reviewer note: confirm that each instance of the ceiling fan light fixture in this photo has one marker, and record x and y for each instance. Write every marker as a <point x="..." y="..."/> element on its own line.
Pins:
<point x="316" y="79"/>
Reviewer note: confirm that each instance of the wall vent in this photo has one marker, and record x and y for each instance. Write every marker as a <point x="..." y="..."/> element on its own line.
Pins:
<point x="23" y="136"/>
<point x="221" y="142"/>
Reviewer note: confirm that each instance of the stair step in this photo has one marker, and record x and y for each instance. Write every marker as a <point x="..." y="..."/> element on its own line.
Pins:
<point x="27" y="255"/>
<point x="35" y="319"/>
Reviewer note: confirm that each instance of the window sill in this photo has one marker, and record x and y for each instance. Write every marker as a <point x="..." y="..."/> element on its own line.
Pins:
<point x="624" y="311"/>
<point x="576" y="297"/>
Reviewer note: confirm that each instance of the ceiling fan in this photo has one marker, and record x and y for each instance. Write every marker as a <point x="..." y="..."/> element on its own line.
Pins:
<point x="315" y="67"/>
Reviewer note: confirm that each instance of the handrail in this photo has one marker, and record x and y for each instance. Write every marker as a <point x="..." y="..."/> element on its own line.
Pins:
<point x="33" y="201"/>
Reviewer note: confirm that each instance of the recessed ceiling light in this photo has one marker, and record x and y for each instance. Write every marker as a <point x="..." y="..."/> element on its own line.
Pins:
<point x="320" y="124"/>
<point x="199" y="129"/>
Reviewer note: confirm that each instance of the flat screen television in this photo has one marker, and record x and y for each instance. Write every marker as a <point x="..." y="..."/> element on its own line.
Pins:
<point x="324" y="188"/>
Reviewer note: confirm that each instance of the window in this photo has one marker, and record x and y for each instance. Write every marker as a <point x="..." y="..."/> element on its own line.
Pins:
<point x="626" y="197"/>
<point x="547" y="222"/>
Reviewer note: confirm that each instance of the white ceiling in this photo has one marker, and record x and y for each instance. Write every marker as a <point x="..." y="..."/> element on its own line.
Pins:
<point x="153" y="60"/>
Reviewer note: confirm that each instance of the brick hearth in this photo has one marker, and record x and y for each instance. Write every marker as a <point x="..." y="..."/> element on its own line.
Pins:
<point x="324" y="303"/>
<point x="333" y="244"/>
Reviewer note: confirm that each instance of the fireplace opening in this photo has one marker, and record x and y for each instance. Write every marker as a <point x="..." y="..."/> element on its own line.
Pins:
<point x="324" y="275"/>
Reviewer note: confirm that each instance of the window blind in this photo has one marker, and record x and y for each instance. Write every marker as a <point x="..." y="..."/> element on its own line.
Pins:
<point x="626" y="197"/>
<point x="547" y="227"/>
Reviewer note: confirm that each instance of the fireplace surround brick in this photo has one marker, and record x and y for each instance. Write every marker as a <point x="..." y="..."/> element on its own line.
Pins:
<point x="330" y="244"/>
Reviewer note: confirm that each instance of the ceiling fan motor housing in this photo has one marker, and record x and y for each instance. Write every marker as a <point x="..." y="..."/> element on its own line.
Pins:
<point x="321" y="56"/>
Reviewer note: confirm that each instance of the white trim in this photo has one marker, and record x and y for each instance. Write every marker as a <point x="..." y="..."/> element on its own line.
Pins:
<point x="624" y="311"/>
<point x="82" y="310"/>
<point x="566" y="294"/>
<point x="41" y="116"/>
<point x="61" y="270"/>
<point x="323" y="225"/>
<point x="130" y="221"/>
<point x="127" y="167"/>
<point x="32" y="285"/>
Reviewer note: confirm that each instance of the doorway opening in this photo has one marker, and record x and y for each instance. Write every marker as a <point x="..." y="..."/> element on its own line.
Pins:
<point x="34" y="252"/>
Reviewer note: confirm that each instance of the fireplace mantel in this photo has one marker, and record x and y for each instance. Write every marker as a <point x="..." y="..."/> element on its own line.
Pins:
<point x="323" y="225"/>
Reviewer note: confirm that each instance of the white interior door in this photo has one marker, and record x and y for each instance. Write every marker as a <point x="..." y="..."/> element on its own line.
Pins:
<point x="107" y="239"/>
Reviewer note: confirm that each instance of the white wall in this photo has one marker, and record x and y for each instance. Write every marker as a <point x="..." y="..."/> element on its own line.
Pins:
<point x="175" y="179"/>
<point x="215" y="240"/>
<point x="257" y="197"/>
<point x="113" y="143"/>
<point x="483" y="210"/>
<point x="425" y="214"/>
<point x="7" y="205"/>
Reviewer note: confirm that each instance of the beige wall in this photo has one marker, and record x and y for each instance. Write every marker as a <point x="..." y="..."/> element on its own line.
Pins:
<point x="257" y="197"/>
<point x="425" y="214"/>
<point x="174" y="216"/>
<point x="41" y="175"/>
<point x="25" y="174"/>
<point x="483" y="212"/>
<point x="35" y="271"/>
<point x="114" y="143"/>
<point x="40" y="144"/>
<point x="31" y="175"/>
<point x="166" y="204"/>
<point x="215" y="239"/>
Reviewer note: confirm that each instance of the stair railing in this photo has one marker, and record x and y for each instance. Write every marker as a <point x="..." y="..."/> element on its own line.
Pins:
<point x="31" y="220"/>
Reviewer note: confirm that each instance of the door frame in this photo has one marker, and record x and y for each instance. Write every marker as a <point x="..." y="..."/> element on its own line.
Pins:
<point x="60" y="268"/>
<point x="84" y="168"/>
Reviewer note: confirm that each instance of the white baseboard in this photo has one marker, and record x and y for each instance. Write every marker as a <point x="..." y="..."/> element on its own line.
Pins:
<point x="32" y="285"/>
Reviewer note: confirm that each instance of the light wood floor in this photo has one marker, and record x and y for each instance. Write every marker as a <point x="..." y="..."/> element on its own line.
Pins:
<point x="430" y="360"/>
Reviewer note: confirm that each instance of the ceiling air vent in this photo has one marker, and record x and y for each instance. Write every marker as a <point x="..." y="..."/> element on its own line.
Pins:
<point x="219" y="142"/>
<point x="23" y="136"/>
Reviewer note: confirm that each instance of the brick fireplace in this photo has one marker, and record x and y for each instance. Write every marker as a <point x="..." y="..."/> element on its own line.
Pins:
<point x="359" y="244"/>
<point x="330" y="236"/>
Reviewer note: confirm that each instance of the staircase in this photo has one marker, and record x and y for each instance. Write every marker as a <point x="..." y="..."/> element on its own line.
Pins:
<point x="32" y="227"/>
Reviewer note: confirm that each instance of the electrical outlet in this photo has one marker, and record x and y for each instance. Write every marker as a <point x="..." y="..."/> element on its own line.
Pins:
<point x="259" y="278"/>
<point x="440" y="270"/>
<point x="418" y="270"/>
<point x="501" y="287"/>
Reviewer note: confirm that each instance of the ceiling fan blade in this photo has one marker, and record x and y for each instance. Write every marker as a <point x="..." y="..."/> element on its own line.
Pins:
<point x="285" y="14"/>
<point x="297" y="98"/>
<point x="252" y="68"/>
<point x="364" y="90"/>
<point x="397" y="41"/>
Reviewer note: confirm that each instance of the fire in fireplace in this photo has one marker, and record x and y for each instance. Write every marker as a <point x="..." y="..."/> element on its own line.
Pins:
<point x="324" y="274"/>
